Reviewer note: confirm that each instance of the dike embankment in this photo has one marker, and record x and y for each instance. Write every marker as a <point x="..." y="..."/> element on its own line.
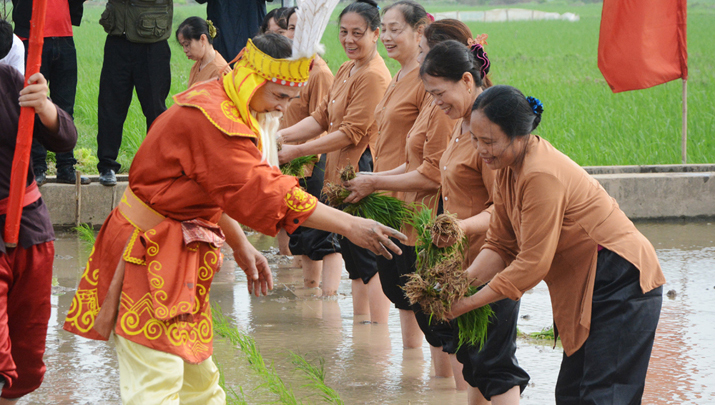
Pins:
<point x="643" y="192"/>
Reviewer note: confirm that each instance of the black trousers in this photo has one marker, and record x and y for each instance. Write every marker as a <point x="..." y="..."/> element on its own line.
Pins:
<point x="59" y="66"/>
<point x="611" y="366"/>
<point x="494" y="369"/>
<point x="128" y="66"/>
<point x="314" y="243"/>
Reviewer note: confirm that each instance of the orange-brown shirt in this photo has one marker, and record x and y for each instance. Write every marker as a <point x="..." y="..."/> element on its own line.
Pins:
<point x="466" y="183"/>
<point x="216" y="68"/>
<point x="311" y="95"/>
<point x="350" y="108"/>
<point x="395" y="115"/>
<point x="549" y="218"/>
<point x="426" y="142"/>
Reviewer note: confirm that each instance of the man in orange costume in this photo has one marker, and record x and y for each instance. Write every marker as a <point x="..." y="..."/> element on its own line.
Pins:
<point x="201" y="169"/>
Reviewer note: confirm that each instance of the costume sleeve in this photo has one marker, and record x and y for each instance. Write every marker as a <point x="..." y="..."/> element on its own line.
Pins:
<point x="542" y="214"/>
<point x="359" y="116"/>
<point x="253" y="193"/>
<point x="439" y="128"/>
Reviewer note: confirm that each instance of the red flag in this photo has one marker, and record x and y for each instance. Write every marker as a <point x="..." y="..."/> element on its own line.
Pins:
<point x="642" y="43"/>
<point x="26" y="123"/>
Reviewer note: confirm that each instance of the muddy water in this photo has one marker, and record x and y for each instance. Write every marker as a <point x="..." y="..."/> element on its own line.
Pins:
<point x="367" y="364"/>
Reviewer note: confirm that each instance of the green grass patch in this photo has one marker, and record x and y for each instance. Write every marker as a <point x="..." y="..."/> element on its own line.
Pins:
<point x="555" y="61"/>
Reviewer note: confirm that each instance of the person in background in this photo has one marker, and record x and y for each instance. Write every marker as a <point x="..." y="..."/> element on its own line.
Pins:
<point x="347" y="115"/>
<point x="275" y="22"/>
<point x="26" y="270"/>
<point x="318" y="251"/>
<point x="196" y="36"/>
<point x="136" y="57"/>
<point x="15" y="54"/>
<point x="59" y="67"/>
<point x="552" y="221"/>
<point x="236" y="20"/>
<point x="491" y="371"/>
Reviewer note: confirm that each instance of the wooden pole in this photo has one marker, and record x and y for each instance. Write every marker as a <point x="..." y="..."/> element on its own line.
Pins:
<point x="684" y="141"/>
<point x="21" y="158"/>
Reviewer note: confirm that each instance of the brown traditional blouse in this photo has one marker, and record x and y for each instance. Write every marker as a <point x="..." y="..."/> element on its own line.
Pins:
<point x="549" y="218"/>
<point x="350" y="108"/>
<point x="395" y="115"/>
<point x="466" y="183"/>
<point x="426" y="142"/>
<point x="310" y="96"/>
<point x="216" y="68"/>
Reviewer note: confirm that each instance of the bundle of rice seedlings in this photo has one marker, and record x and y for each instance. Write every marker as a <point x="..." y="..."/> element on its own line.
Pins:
<point x="439" y="279"/>
<point x="380" y="207"/>
<point x="297" y="166"/>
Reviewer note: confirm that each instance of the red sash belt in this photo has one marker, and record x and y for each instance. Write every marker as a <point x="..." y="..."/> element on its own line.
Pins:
<point x="32" y="194"/>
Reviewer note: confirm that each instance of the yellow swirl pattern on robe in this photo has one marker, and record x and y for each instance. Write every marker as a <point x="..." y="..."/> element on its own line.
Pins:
<point x="85" y="304"/>
<point x="300" y="201"/>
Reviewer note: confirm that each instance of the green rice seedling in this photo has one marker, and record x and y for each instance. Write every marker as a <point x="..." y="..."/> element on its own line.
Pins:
<point x="232" y="397"/>
<point x="86" y="234"/>
<point x="316" y="375"/>
<point x="271" y="380"/>
<point x="544" y="334"/>
<point x="439" y="279"/>
<point x="297" y="167"/>
<point x="378" y="206"/>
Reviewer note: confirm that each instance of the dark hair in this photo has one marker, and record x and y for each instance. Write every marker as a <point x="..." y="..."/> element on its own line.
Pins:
<point x="193" y="27"/>
<point x="450" y="59"/>
<point x="450" y="29"/>
<point x="5" y="38"/>
<point x="367" y="9"/>
<point x="414" y="13"/>
<point x="288" y="14"/>
<point x="443" y="30"/>
<point x="276" y="15"/>
<point x="274" y="45"/>
<point x="507" y="107"/>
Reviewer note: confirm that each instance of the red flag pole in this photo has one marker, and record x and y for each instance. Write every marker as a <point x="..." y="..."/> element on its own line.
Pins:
<point x="21" y="159"/>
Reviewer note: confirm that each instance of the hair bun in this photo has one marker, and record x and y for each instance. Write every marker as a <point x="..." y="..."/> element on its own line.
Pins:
<point x="370" y="2"/>
<point x="480" y="55"/>
<point x="537" y="107"/>
<point x="212" y="28"/>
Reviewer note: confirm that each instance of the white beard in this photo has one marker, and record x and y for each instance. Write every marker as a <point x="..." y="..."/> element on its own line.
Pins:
<point x="269" y="123"/>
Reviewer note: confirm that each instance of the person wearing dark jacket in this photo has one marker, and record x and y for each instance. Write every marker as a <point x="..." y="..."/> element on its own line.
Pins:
<point x="26" y="270"/>
<point x="236" y="20"/>
<point x="136" y="56"/>
<point x="59" y="67"/>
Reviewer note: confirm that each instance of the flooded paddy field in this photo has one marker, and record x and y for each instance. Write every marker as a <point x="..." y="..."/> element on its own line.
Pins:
<point x="366" y="363"/>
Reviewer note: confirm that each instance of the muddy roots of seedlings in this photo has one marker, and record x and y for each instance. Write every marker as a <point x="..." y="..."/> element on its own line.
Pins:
<point x="436" y="288"/>
<point x="440" y="280"/>
<point x="297" y="167"/>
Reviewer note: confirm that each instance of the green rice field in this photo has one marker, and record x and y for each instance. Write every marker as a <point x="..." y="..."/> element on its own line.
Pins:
<point x="554" y="61"/>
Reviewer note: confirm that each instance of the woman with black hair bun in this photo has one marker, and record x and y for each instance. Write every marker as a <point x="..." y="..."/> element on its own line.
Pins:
<point x="492" y="372"/>
<point x="347" y="115"/>
<point x="196" y="36"/>
<point x="552" y="221"/>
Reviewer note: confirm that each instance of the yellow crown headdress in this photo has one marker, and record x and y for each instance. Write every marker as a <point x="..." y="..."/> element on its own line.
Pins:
<point x="287" y="72"/>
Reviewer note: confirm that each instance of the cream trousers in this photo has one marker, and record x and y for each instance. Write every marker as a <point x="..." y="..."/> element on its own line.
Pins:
<point x="148" y="376"/>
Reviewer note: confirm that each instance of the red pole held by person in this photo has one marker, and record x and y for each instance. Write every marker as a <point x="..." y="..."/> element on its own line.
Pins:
<point x="23" y="145"/>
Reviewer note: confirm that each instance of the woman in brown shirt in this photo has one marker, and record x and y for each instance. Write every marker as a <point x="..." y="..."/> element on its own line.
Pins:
<point x="196" y="36"/>
<point x="318" y="251"/>
<point x="413" y="135"/>
<point x="554" y="222"/>
<point x="347" y="114"/>
<point x="492" y="370"/>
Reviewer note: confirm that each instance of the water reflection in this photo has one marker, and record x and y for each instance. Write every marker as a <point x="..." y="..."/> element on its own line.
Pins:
<point x="367" y="364"/>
